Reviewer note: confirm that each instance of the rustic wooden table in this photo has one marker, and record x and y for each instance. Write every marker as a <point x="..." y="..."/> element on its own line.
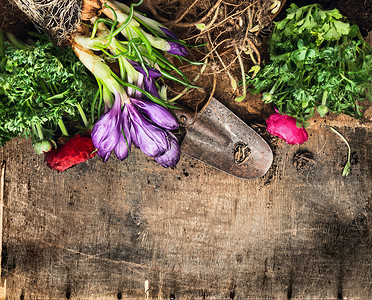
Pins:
<point x="107" y="230"/>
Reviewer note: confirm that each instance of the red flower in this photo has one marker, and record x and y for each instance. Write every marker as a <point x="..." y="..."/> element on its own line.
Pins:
<point x="285" y="127"/>
<point x="75" y="151"/>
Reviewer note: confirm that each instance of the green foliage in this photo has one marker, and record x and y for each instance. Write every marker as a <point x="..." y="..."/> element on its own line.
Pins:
<point x="38" y="86"/>
<point x="317" y="61"/>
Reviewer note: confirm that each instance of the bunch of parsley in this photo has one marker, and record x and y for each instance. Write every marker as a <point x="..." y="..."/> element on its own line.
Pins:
<point x="39" y="86"/>
<point x="317" y="61"/>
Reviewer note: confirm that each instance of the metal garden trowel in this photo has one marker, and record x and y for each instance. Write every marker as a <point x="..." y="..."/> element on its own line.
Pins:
<point x="219" y="138"/>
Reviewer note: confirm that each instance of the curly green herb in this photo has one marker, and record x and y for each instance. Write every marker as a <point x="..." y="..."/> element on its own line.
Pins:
<point x="318" y="61"/>
<point x="39" y="86"/>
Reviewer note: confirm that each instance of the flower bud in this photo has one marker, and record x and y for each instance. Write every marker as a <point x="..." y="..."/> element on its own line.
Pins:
<point x="151" y="139"/>
<point x="267" y="97"/>
<point x="150" y="86"/>
<point x="152" y="72"/>
<point x="168" y="33"/>
<point x="322" y="110"/>
<point x="43" y="147"/>
<point x="171" y="157"/>
<point x="106" y="132"/>
<point x="156" y="113"/>
<point x="177" y="49"/>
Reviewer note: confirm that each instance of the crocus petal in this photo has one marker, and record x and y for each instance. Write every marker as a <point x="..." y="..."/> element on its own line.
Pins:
<point x="125" y="124"/>
<point x="151" y="139"/>
<point x="133" y="136"/>
<point x="156" y="113"/>
<point x="105" y="134"/>
<point x="172" y="156"/>
<point x="122" y="149"/>
<point x="140" y="84"/>
<point x="153" y="73"/>
<point x="177" y="49"/>
<point x="285" y="127"/>
<point x="150" y="86"/>
<point x="123" y="146"/>
<point x="168" y="33"/>
<point x="105" y="155"/>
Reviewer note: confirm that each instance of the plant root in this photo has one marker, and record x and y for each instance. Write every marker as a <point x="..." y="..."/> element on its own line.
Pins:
<point x="224" y="26"/>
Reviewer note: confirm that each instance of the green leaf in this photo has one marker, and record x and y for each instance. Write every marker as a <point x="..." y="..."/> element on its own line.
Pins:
<point x="322" y="110"/>
<point x="299" y="54"/>
<point x="334" y="14"/>
<point x="332" y="34"/>
<point x="310" y="53"/>
<point x="280" y="25"/>
<point x="353" y="31"/>
<point x="201" y="26"/>
<point x="341" y="27"/>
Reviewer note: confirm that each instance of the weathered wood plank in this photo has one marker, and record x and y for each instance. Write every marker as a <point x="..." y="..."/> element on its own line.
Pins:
<point x="98" y="231"/>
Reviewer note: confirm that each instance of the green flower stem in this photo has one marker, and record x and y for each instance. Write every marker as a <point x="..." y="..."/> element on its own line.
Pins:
<point x="100" y="89"/>
<point x="347" y="167"/>
<point x="62" y="127"/>
<point x="273" y="89"/>
<point x="141" y="61"/>
<point x="324" y="99"/>
<point x="2" y="43"/>
<point x="82" y="114"/>
<point x="194" y="81"/>
<point x="144" y="39"/>
<point x="125" y="24"/>
<point x="171" y="77"/>
<point x="93" y="105"/>
<point x="128" y="20"/>
<point x="20" y="45"/>
<point x="39" y="130"/>
<point x="115" y="21"/>
<point x="144" y="24"/>
<point x="122" y="68"/>
<point x="96" y="23"/>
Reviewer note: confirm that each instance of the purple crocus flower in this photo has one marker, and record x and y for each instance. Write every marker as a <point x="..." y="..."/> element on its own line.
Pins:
<point x="146" y="82"/>
<point x="172" y="156"/>
<point x="142" y="122"/>
<point x="153" y="73"/>
<point x="140" y="84"/>
<point x="150" y="86"/>
<point x="151" y="139"/>
<point x="106" y="131"/>
<point x="177" y="49"/>
<point x="156" y="113"/>
<point x="124" y="144"/>
<point x="168" y="33"/>
<point x="122" y="148"/>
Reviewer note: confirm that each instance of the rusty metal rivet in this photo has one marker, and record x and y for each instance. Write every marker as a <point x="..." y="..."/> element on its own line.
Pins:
<point x="183" y="119"/>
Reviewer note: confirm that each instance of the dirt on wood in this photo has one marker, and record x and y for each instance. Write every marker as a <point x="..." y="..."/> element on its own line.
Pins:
<point x="101" y="230"/>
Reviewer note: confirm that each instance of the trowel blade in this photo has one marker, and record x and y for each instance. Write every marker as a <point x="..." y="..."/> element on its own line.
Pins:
<point x="220" y="139"/>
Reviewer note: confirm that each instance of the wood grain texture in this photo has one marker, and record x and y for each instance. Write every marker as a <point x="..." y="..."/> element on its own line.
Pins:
<point x="99" y="230"/>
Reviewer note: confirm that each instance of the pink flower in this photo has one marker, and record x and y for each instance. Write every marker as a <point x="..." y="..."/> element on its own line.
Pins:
<point x="285" y="127"/>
